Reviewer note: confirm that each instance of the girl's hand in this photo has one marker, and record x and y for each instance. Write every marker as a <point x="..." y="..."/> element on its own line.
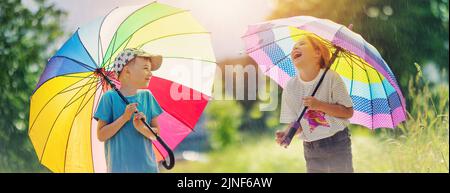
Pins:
<point x="279" y="136"/>
<point x="129" y="110"/>
<point x="312" y="103"/>
<point x="137" y="123"/>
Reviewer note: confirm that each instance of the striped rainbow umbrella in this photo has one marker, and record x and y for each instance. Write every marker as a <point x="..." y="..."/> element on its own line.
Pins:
<point x="377" y="99"/>
<point x="61" y="126"/>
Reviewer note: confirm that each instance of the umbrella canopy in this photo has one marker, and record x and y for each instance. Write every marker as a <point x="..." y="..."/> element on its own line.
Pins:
<point x="61" y="126"/>
<point x="377" y="99"/>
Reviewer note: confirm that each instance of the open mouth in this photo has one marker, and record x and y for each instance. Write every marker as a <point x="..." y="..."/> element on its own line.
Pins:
<point x="297" y="55"/>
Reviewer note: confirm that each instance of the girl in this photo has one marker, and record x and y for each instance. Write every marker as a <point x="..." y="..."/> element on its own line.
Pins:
<point x="326" y="138"/>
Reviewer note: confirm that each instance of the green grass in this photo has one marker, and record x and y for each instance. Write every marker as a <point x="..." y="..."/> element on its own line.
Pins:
<point x="370" y="154"/>
<point x="253" y="154"/>
<point x="419" y="145"/>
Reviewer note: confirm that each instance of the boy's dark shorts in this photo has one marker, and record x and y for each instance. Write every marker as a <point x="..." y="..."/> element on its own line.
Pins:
<point x="331" y="155"/>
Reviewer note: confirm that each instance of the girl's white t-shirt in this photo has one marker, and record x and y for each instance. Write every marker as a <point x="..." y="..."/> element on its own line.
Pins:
<point x="316" y="124"/>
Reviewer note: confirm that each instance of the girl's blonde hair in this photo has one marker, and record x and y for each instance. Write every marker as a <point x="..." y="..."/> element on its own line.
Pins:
<point x="322" y="48"/>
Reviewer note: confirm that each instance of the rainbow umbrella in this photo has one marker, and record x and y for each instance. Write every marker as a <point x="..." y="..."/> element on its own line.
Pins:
<point x="61" y="127"/>
<point x="377" y="99"/>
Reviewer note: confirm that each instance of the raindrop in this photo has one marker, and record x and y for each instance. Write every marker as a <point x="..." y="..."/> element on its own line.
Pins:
<point x="387" y="10"/>
<point x="431" y="72"/>
<point x="33" y="68"/>
<point x="20" y="125"/>
<point x="373" y="12"/>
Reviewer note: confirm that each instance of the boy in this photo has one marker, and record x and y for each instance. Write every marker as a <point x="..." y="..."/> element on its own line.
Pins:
<point x="128" y="146"/>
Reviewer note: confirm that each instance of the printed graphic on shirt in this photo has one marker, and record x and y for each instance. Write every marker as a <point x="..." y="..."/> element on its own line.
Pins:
<point x="315" y="119"/>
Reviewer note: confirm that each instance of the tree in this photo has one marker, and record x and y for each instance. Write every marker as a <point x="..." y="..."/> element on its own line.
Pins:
<point x="27" y="35"/>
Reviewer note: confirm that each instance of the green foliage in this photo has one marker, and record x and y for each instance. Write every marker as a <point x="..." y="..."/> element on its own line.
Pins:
<point x="223" y="121"/>
<point x="26" y="37"/>
<point x="421" y="144"/>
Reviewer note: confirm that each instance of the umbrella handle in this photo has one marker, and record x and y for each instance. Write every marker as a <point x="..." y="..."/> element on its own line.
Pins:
<point x="169" y="152"/>
<point x="166" y="147"/>
<point x="158" y="138"/>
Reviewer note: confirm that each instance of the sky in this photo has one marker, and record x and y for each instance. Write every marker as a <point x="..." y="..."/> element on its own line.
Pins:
<point x="227" y="20"/>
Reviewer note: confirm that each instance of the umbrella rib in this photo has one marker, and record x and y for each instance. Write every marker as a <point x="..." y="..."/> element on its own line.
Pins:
<point x="403" y="108"/>
<point x="356" y="60"/>
<point x="89" y="83"/>
<point x="270" y="68"/>
<point x="99" y="42"/>
<point x="69" y="76"/>
<point x="352" y="61"/>
<point x="121" y="23"/>
<point x="150" y="22"/>
<point x="337" y="63"/>
<point x="279" y="26"/>
<point x="181" y="120"/>
<point x="89" y="90"/>
<point x="353" y="69"/>
<point x="371" y="97"/>
<point x="187" y="58"/>
<point x="351" y="83"/>
<point x="84" y="47"/>
<point x="280" y="60"/>
<point x="273" y="42"/>
<point x="354" y="56"/>
<point x="62" y="75"/>
<point x="250" y="50"/>
<point x="89" y="68"/>
<point x="73" y="120"/>
<point x="173" y="35"/>
<point x="109" y="61"/>
<point x="71" y="102"/>
<point x="53" y="125"/>
<point x="163" y="37"/>
<point x="276" y="27"/>
<point x="113" y="46"/>
<point x="387" y="98"/>
<point x="51" y="100"/>
<point x="365" y="70"/>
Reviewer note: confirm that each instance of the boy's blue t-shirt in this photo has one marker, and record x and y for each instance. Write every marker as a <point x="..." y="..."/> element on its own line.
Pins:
<point x="128" y="150"/>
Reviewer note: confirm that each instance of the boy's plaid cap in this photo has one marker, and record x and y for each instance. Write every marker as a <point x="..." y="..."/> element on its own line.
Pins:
<point x="129" y="54"/>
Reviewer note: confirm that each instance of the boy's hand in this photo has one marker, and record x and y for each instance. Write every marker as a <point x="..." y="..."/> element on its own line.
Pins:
<point x="129" y="110"/>
<point x="137" y="121"/>
<point x="312" y="103"/>
<point x="140" y="126"/>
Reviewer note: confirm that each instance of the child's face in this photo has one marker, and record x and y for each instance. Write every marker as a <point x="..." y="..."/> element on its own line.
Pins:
<point x="138" y="72"/>
<point x="304" y="54"/>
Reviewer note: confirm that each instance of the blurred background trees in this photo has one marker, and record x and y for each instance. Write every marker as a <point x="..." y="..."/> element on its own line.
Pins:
<point x="27" y="35"/>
